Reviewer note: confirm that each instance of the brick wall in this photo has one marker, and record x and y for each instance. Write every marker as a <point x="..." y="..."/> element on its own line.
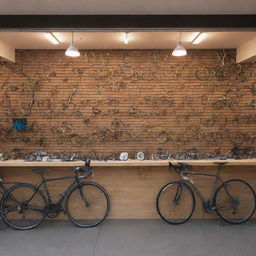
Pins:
<point x="107" y="102"/>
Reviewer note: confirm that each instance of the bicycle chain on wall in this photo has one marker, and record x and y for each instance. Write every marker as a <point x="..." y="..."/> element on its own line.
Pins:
<point x="127" y="100"/>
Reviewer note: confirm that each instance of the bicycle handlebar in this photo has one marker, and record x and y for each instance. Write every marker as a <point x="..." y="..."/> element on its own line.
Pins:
<point x="179" y="166"/>
<point x="87" y="162"/>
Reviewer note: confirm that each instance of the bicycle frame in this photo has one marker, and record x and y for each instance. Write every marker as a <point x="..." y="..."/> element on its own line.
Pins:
<point x="44" y="184"/>
<point x="194" y="187"/>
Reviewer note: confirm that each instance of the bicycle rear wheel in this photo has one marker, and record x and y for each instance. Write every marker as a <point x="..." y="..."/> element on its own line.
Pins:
<point x="23" y="207"/>
<point x="87" y="204"/>
<point x="175" y="202"/>
<point x="235" y="201"/>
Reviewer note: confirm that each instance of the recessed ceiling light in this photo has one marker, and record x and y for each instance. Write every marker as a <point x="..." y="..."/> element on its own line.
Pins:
<point x="199" y="38"/>
<point x="193" y="36"/>
<point x="52" y="38"/>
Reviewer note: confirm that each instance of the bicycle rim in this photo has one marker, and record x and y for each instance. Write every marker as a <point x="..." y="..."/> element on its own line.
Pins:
<point x="235" y="201"/>
<point x="18" y="212"/>
<point x="175" y="203"/>
<point x="90" y="208"/>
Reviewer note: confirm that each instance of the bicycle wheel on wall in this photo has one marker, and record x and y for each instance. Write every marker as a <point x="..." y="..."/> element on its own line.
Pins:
<point x="175" y="202"/>
<point x="235" y="201"/>
<point x="23" y="207"/>
<point x="87" y="205"/>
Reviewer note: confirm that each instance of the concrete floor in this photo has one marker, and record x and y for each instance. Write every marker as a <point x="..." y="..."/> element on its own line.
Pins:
<point x="131" y="238"/>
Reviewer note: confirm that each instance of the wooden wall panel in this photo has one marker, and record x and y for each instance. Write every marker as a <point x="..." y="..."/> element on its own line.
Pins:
<point x="133" y="190"/>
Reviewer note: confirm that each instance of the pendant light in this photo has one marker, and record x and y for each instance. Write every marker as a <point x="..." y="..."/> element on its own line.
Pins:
<point x="180" y="50"/>
<point x="126" y="39"/>
<point x="72" y="51"/>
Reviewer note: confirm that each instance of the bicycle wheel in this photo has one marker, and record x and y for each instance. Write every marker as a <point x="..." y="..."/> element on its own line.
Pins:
<point x="23" y="207"/>
<point x="175" y="202"/>
<point x="235" y="201"/>
<point x="87" y="205"/>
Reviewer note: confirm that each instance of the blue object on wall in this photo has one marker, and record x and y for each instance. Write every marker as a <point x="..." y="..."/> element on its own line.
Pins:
<point x="19" y="124"/>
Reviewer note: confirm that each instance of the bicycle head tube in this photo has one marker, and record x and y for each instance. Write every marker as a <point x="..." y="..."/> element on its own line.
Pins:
<point x="87" y="162"/>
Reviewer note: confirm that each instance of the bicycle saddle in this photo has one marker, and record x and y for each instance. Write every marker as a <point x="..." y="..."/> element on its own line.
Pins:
<point x="178" y="165"/>
<point x="40" y="171"/>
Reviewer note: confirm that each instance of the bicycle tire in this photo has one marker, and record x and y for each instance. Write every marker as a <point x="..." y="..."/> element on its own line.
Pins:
<point x="159" y="205"/>
<point x="94" y="193"/>
<point x="224" y="210"/>
<point x="19" y="220"/>
<point x="3" y="225"/>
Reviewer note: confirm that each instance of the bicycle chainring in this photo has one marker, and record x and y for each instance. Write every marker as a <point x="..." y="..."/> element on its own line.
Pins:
<point x="53" y="210"/>
<point x="208" y="207"/>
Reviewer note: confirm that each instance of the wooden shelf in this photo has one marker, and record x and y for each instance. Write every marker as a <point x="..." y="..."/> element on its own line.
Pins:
<point x="113" y="163"/>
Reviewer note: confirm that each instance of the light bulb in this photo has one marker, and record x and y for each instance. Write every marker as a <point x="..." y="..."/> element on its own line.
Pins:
<point x="126" y="40"/>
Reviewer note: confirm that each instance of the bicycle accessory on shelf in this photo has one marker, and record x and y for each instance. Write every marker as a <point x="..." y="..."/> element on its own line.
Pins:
<point x="123" y="156"/>
<point x="140" y="156"/>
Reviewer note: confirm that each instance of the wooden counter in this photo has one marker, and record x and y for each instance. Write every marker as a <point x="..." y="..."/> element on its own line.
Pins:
<point x="113" y="163"/>
<point x="132" y="185"/>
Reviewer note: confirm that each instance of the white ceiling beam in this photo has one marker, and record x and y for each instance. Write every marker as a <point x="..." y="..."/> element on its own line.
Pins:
<point x="143" y="7"/>
<point x="246" y="51"/>
<point x="7" y="52"/>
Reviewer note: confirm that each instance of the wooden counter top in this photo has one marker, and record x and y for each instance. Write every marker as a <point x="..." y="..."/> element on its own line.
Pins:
<point x="112" y="163"/>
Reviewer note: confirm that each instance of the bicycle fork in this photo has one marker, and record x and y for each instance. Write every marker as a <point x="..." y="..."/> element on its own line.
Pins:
<point x="86" y="203"/>
<point x="83" y="196"/>
<point x="177" y="196"/>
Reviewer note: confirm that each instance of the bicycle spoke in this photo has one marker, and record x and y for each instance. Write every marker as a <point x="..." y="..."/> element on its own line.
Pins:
<point x="9" y="209"/>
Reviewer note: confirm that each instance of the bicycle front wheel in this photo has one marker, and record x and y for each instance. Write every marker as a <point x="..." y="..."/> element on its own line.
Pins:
<point x="235" y="201"/>
<point x="175" y="202"/>
<point x="23" y="207"/>
<point x="87" y="204"/>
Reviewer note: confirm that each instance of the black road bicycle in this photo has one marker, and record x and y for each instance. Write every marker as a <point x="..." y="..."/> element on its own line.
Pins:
<point x="233" y="200"/>
<point x="24" y="206"/>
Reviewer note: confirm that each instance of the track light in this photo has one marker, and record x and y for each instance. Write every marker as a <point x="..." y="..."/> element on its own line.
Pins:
<point x="52" y="38"/>
<point x="126" y="39"/>
<point x="72" y="51"/>
<point x="180" y="50"/>
<point x="199" y="38"/>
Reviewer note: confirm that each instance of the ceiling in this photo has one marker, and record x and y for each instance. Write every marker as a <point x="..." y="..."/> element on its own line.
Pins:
<point x="128" y="7"/>
<point x="115" y="40"/>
